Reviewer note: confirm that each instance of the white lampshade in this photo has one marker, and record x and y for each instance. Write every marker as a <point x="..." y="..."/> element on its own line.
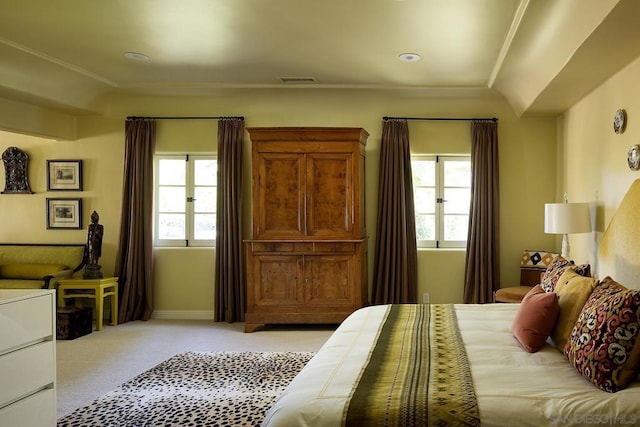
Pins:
<point x="567" y="218"/>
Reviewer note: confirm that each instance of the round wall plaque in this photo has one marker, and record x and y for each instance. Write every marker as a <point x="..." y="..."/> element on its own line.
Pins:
<point x="620" y="121"/>
<point x="633" y="157"/>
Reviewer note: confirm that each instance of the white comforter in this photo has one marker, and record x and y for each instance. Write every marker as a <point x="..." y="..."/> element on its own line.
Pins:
<point x="513" y="387"/>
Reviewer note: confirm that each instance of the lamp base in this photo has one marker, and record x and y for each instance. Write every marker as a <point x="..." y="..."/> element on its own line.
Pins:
<point x="565" y="247"/>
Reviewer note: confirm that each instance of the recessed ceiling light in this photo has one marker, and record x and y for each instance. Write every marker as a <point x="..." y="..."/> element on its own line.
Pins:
<point x="136" y="56"/>
<point x="409" y="57"/>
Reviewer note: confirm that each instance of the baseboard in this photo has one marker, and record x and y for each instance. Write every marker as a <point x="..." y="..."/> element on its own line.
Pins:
<point x="183" y="314"/>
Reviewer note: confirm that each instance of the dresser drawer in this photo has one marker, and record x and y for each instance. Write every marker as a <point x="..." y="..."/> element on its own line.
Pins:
<point x="26" y="321"/>
<point x="27" y="370"/>
<point x="37" y="410"/>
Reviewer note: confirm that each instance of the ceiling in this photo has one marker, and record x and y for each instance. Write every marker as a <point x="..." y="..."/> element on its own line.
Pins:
<point x="540" y="55"/>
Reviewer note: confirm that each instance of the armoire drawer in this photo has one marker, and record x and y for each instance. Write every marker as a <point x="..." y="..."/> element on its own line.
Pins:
<point x="272" y="246"/>
<point x="333" y="247"/>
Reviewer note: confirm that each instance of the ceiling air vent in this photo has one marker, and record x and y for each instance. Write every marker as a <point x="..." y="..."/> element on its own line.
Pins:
<point x="298" y="80"/>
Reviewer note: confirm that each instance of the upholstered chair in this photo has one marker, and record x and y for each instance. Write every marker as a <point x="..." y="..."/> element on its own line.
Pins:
<point x="532" y="265"/>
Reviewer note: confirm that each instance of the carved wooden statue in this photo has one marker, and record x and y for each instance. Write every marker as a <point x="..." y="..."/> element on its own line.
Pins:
<point x="15" y="171"/>
<point x="94" y="248"/>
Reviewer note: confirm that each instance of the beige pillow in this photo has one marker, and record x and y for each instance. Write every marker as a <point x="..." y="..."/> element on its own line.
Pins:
<point x="573" y="291"/>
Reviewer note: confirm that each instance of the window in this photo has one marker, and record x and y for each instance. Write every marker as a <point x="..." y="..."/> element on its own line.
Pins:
<point x="442" y="196"/>
<point x="185" y="200"/>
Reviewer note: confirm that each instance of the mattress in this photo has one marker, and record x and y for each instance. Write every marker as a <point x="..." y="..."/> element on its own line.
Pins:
<point x="512" y="387"/>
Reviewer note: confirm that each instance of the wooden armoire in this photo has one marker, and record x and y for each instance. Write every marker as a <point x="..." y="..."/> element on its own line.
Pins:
<point x="307" y="258"/>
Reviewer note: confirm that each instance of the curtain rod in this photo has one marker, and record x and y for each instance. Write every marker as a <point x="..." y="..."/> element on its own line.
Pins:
<point x="184" y="118"/>
<point x="385" y="118"/>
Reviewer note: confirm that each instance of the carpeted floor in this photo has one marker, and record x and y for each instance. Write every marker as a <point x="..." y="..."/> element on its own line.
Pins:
<point x="196" y="389"/>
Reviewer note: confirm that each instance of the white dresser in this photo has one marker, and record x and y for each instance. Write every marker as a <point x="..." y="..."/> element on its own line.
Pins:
<point x="27" y="358"/>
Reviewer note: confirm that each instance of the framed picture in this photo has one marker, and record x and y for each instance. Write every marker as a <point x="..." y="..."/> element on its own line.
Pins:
<point x="64" y="175"/>
<point x="64" y="213"/>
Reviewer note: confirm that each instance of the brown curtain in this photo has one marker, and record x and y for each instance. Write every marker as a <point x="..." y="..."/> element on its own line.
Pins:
<point x="134" y="259"/>
<point x="230" y="279"/>
<point x="395" y="273"/>
<point x="482" y="267"/>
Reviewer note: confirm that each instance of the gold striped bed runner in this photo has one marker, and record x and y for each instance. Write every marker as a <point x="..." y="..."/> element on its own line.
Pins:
<point x="417" y="374"/>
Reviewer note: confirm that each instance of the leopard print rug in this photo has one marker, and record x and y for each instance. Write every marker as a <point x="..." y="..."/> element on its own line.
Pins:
<point x="195" y="389"/>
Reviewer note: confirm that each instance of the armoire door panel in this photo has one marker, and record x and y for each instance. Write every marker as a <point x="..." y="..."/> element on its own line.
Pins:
<point x="328" y="280"/>
<point x="330" y="195"/>
<point x="281" y="196"/>
<point x="278" y="280"/>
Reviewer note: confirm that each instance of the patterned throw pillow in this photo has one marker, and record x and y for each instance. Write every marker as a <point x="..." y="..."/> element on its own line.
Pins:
<point x="557" y="268"/>
<point x="537" y="259"/>
<point x="604" y="345"/>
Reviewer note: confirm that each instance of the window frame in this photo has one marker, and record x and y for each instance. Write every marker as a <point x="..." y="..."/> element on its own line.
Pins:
<point x="440" y="160"/>
<point x="189" y="211"/>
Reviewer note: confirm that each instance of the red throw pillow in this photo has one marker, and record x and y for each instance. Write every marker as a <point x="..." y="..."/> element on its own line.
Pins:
<point x="535" y="318"/>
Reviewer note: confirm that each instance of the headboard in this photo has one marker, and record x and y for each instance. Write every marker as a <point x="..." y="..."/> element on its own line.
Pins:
<point x="619" y="251"/>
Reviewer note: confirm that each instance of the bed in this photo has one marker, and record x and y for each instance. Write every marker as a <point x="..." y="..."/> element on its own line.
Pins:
<point x="462" y="365"/>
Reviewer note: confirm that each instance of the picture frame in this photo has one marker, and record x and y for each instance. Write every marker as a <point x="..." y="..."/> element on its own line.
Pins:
<point x="64" y="214"/>
<point x="64" y="175"/>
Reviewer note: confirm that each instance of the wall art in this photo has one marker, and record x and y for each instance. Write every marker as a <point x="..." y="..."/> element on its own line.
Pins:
<point x="15" y="171"/>
<point x="64" y="214"/>
<point x="64" y="175"/>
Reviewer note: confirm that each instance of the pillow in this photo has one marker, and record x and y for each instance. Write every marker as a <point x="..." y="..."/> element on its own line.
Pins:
<point x="535" y="318"/>
<point x="604" y="345"/>
<point x="573" y="291"/>
<point x="29" y="271"/>
<point x="607" y="286"/>
<point x="551" y="275"/>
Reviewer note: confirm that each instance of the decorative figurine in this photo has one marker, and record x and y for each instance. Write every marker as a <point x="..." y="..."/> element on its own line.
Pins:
<point x="15" y="167"/>
<point x="93" y="249"/>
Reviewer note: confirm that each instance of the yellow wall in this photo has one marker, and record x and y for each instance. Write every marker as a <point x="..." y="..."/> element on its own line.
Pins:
<point x="23" y="216"/>
<point x="184" y="277"/>
<point x="594" y="157"/>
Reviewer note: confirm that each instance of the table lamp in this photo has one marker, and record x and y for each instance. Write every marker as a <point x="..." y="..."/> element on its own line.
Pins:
<point x="566" y="218"/>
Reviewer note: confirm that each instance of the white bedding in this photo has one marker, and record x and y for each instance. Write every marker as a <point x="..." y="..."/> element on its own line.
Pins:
<point x="512" y="387"/>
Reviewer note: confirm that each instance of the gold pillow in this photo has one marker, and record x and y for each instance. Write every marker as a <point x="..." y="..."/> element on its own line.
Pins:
<point x="29" y="271"/>
<point x="573" y="291"/>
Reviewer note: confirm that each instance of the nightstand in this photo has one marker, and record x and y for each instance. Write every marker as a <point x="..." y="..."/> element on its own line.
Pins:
<point x="97" y="289"/>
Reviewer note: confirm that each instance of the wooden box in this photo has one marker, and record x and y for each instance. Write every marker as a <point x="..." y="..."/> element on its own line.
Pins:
<point x="74" y="322"/>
